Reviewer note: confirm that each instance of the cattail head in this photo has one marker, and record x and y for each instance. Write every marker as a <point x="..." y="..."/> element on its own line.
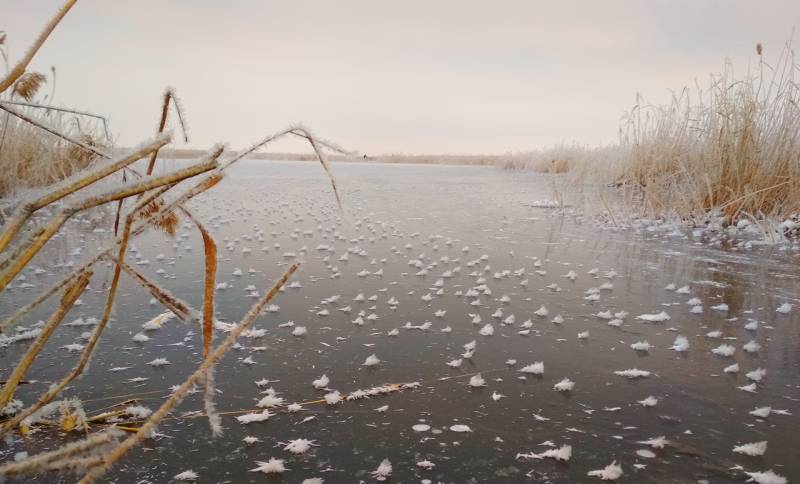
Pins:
<point x="759" y="48"/>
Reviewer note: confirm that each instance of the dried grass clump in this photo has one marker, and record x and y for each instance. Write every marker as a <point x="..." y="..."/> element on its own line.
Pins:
<point x="732" y="148"/>
<point x="28" y="159"/>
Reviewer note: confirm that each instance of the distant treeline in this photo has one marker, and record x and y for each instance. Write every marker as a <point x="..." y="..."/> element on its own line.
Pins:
<point x="477" y="160"/>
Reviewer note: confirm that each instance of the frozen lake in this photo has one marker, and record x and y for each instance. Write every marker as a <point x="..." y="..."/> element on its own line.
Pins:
<point x="423" y="243"/>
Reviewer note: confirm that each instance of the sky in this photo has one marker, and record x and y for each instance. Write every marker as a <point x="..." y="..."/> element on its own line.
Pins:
<point x="432" y="76"/>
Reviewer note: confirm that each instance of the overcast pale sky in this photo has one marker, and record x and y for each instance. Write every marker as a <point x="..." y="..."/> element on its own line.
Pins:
<point x="414" y="76"/>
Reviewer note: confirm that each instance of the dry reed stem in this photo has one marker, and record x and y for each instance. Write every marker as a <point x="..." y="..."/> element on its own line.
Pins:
<point x="186" y="386"/>
<point x="56" y="193"/>
<point x="17" y="250"/>
<point x="66" y="280"/>
<point x="104" y="416"/>
<point x="168" y="94"/>
<point x="254" y="147"/>
<point x="126" y="191"/>
<point x="53" y="131"/>
<point x="214" y="417"/>
<point x="54" y="390"/>
<point x="71" y="464"/>
<point x="301" y="132"/>
<point x="207" y="183"/>
<point x="180" y="308"/>
<point x="47" y="293"/>
<point x="304" y="403"/>
<point x="67" y="300"/>
<point x="120" y="202"/>
<point x="32" y="247"/>
<point x="209" y="285"/>
<point x="19" y="68"/>
<point x="608" y="209"/>
<point x="322" y="159"/>
<point x="48" y="107"/>
<point x="43" y="461"/>
<point x="161" y="124"/>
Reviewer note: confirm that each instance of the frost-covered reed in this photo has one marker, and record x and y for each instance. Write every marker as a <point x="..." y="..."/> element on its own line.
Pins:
<point x="31" y="159"/>
<point x="157" y="201"/>
<point x="729" y="148"/>
<point x="732" y="146"/>
<point x="27" y="157"/>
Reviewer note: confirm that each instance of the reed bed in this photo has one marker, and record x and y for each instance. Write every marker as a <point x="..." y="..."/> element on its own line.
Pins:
<point x="731" y="148"/>
<point x="728" y="150"/>
<point x="155" y="202"/>
<point x="27" y="158"/>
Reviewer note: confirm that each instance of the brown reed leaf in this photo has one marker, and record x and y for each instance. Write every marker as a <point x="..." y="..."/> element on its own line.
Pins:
<point x="209" y="284"/>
